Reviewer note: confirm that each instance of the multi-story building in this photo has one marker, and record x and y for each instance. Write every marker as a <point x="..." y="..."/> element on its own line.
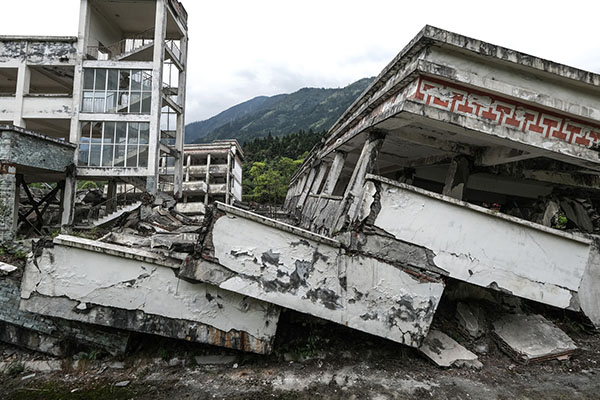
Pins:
<point x="116" y="91"/>
<point x="211" y="172"/>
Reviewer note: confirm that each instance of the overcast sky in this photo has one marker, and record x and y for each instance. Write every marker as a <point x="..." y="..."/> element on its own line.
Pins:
<point x="246" y="48"/>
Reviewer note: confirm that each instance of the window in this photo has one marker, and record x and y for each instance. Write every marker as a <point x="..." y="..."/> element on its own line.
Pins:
<point x="117" y="91"/>
<point x="114" y="144"/>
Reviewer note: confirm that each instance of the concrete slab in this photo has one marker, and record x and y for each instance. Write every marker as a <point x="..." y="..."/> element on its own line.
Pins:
<point x="95" y="284"/>
<point x="284" y="265"/>
<point x="446" y="352"/>
<point x="532" y="338"/>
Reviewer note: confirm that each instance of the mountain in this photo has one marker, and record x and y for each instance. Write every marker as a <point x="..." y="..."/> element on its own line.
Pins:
<point x="308" y="108"/>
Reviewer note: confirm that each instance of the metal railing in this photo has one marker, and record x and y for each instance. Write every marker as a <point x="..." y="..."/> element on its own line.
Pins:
<point x="123" y="46"/>
<point x="172" y="45"/>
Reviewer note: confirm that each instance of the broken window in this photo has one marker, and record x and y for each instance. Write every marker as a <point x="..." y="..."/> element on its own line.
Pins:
<point x="117" y="91"/>
<point x="114" y="144"/>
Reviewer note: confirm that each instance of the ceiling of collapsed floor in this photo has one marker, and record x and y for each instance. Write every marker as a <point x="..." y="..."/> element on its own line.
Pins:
<point x="134" y="17"/>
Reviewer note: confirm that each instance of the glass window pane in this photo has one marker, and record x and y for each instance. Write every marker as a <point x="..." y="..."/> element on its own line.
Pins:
<point x="134" y="107"/>
<point x="121" y="132"/>
<point x="136" y="80"/>
<point x="146" y="81"/>
<point x="97" y="132"/>
<point x="88" y="102"/>
<point x="144" y="133"/>
<point x="124" y="80"/>
<point x="109" y="132"/>
<point x="146" y="101"/>
<point x="100" y="79"/>
<point x="111" y="101"/>
<point x="119" y="155"/>
<point x="88" y="79"/>
<point x="95" y="154"/>
<point x="98" y="102"/>
<point x="107" y="155"/>
<point x="113" y="79"/>
<point x="123" y="102"/>
<point x="132" y="136"/>
<point x="84" y="152"/>
<point x="131" y="159"/>
<point x="143" y="157"/>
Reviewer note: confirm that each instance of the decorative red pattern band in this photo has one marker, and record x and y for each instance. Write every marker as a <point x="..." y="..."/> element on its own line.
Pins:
<point x="505" y="112"/>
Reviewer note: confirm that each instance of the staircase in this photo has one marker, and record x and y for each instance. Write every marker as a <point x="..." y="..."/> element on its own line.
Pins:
<point x="127" y="208"/>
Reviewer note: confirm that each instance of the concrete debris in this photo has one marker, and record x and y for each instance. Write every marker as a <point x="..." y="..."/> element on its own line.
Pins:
<point x="215" y="360"/>
<point x="33" y="366"/>
<point x="446" y="352"/>
<point x="122" y="384"/>
<point x="6" y="269"/>
<point x="532" y="338"/>
<point x="470" y="320"/>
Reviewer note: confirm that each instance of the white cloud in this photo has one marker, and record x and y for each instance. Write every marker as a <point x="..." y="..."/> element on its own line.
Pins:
<point x="242" y="49"/>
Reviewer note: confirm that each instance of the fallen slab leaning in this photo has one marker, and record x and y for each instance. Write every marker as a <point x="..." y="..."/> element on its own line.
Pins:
<point x="131" y="289"/>
<point x="278" y="263"/>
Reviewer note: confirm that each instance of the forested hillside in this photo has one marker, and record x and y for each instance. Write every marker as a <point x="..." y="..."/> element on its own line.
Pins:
<point x="270" y="163"/>
<point x="308" y="108"/>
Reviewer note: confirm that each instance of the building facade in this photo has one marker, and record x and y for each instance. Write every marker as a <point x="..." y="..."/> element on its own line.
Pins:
<point x="116" y="91"/>
<point x="212" y="172"/>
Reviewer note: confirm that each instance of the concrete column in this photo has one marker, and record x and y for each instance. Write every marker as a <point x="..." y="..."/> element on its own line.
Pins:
<point x="307" y="187"/>
<point x="334" y="172"/>
<point x="9" y="202"/>
<point x="228" y="182"/>
<point x="160" y="27"/>
<point x="75" y="132"/>
<point x="111" y="193"/>
<point x="456" y="178"/>
<point x="207" y="179"/>
<point x="180" y="134"/>
<point x="319" y="178"/>
<point x="23" y="84"/>
<point x="364" y="165"/>
<point x="68" y="200"/>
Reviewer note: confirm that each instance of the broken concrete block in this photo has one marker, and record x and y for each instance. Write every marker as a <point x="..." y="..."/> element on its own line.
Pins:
<point x="470" y="320"/>
<point x="6" y="269"/>
<point x="532" y="338"/>
<point x="191" y="208"/>
<point x="446" y="352"/>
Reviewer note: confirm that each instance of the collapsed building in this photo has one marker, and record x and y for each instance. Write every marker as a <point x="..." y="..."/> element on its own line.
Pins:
<point x="211" y="172"/>
<point x="463" y="163"/>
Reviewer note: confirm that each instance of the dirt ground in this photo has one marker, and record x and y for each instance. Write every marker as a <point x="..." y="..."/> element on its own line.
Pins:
<point x="312" y="359"/>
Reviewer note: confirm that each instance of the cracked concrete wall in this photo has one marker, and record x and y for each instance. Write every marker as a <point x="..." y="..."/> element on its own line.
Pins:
<point x="300" y="270"/>
<point x="101" y="288"/>
<point x="47" y="335"/>
<point x="37" y="51"/>
<point x="481" y="247"/>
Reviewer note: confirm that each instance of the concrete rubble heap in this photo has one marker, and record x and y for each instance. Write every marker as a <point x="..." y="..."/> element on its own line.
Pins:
<point x="464" y="164"/>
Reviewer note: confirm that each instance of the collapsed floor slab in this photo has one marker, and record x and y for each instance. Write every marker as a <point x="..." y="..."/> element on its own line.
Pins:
<point x="477" y="245"/>
<point x="50" y="335"/>
<point x="284" y="265"/>
<point x="103" y="284"/>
